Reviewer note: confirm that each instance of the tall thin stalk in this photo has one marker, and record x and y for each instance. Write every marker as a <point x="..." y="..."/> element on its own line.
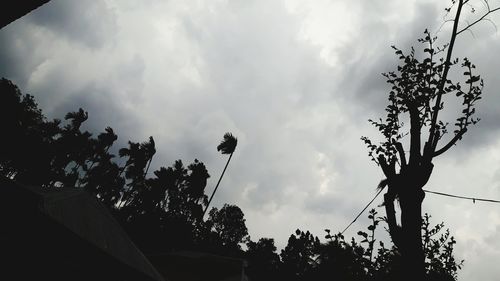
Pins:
<point x="227" y="146"/>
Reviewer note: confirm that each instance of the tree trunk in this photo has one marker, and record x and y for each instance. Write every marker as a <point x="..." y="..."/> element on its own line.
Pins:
<point x="407" y="187"/>
<point x="411" y="199"/>
<point x="217" y="186"/>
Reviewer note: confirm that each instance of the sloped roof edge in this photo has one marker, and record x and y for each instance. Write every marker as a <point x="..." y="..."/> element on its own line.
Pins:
<point x="85" y="216"/>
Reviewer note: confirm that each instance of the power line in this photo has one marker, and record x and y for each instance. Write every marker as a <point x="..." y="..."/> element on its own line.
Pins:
<point x="474" y="199"/>
<point x="364" y="209"/>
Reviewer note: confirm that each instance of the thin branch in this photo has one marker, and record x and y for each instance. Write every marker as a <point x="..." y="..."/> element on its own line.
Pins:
<point x="447" y="64"/>
<point x="478" y="20"/>
<point x="402" y="156"/>
<point x="415" y="142"/>
<point x="457" y="137"/>
<point x="385" y="167"/>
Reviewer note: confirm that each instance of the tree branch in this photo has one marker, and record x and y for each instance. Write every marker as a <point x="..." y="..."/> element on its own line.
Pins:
<point x="447" y="64"/>
<point x="401" y="152"/>
<point x="414" y="134"/>
<point x="457" y="137"/>
<point x="478" y="20"/>
<point x="383" y="165"/>
<point x="437" y="137"/>
<point x="388" y="168"/>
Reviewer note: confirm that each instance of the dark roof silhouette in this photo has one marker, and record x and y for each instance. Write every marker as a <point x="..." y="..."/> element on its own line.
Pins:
<point x="11" y="10"/>
<point x="66" y="232"/>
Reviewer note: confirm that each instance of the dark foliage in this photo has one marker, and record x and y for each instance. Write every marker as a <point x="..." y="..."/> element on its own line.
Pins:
<point x="306" y="258"/>
<point x="164" y="212"/>
<point x="264" y="262"/>
<point x="161" y="212"/>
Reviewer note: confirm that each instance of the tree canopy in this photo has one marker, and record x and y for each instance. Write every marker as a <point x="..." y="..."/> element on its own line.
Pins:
<point x="418" y="88"/>
<point x="162" y="210"/>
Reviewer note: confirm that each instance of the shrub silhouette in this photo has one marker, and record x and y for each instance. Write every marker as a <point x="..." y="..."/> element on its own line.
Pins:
<point x="306" y="258"/>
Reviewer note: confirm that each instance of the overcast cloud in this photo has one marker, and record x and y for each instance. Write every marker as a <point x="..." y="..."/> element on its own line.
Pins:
<point x="294" y="80"/>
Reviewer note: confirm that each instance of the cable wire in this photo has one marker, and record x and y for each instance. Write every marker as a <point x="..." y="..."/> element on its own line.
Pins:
<point x="364" y="209"/>
<point x="474" y="199"/>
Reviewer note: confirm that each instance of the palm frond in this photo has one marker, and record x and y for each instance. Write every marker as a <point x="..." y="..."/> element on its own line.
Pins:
<point x="228" y="144"/>
<point x="123" y="152"/>
<point x="79" y="115"/>
<point x="107" y="137"/>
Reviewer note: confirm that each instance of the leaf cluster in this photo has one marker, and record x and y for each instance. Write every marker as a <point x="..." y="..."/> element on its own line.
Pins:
<point x="417" y="86"/>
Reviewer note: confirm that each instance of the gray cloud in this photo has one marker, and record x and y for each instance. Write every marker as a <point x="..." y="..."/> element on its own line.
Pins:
<point x="369" y="87"/>
<point x="296" y="94"/>
<point x="92" y="23"/>
<point x="18" y="56"/>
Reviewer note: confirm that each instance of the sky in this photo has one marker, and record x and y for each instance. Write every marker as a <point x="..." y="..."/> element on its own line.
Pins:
<point x="294" y="81"/>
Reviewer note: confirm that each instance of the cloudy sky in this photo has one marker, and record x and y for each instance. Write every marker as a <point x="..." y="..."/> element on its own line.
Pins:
<point x="294" y="80"/>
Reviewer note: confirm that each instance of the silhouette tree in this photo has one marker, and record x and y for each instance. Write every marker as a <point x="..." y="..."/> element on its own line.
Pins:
<point x="160" y="212"/>
<point x="229" y="225"/>
<point x="263" y="261"/>
<point x="75" y="148"/>
<point x="299" y="255"/>
<point x="186" y="189"/>
<point x="25" y="147"/>
<point x="417" y="91"/>
<point x="440" y="264"/>
<point x="164" y="212"/>
<point x="227" y="146"/>
<point x="102" y="177"/>
<point x="139" y="158"/>
<point x="345" y="261"/>
<point x="306" y="258"/>
<point x="101" y="146"/>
